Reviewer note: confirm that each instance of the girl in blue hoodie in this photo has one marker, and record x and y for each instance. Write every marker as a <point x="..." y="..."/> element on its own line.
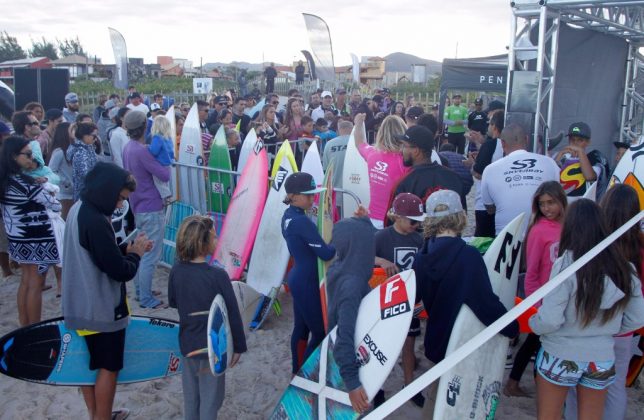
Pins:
<point x="305" y="245"/>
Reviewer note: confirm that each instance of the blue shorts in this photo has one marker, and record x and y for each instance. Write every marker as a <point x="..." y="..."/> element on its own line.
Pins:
<point x="594" y="375"/>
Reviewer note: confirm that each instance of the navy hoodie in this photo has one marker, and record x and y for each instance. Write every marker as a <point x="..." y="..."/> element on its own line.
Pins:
<point x="449" y="274"/>
<point x="347" y="283"/>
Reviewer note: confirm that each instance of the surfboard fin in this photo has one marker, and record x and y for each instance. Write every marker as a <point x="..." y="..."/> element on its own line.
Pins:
<point x="199" y="313"/>
<point x="197" y="352"/>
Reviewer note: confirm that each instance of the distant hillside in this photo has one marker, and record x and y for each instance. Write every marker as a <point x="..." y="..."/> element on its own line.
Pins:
<point x="238" y="64"/>
<point x="402" y="62"/>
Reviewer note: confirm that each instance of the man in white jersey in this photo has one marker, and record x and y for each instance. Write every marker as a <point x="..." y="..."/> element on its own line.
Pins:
<point x="507" y="185"/>
<point x="136" y="103"/>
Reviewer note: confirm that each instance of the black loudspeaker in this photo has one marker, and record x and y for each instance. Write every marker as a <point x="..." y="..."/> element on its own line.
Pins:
<point x="47" y="86"/>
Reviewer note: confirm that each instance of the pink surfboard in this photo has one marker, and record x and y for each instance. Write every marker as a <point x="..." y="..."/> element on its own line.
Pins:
<point x="244" y="213"/>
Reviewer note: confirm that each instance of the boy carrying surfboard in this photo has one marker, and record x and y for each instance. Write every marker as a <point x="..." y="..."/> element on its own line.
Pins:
<point x="450" y="274"/>
<point x="347" y="283"/>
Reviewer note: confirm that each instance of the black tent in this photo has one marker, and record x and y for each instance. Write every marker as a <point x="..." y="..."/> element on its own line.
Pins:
<point x="488" y="74"/>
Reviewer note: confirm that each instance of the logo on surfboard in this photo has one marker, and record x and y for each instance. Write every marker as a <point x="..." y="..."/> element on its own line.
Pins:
<point x="507" y="256"/>
<point x="280" y="177"/>
<point x="393" y="298"/>
<point x="362" y="355"/>
<point x="453" y="390"/>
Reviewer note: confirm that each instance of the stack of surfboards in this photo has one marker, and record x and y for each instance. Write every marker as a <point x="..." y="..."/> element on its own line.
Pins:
<point x="270" y="254"/>
<point x="192" y="183"/>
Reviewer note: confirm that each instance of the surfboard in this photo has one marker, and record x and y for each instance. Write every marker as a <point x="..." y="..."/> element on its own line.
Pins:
<point x="192" y="187"/>
<point x="630" y="171"/>
<point x="318" y="391"/>
<point x="175" y="213"/>
<point x="591" y="192"/>
<point x="174" y="186"/>
<point x="220" y="185"/>
<point x="325" y="227"/>
<point x="49" y="353"/>
<point x="220" y="341"/>
<point x="270" y="254"/>
<point x="312" y="164"/>
<point x="472" y="388"/>
<point x="244" y="213"/>
<point x="355" y="178"/>
<point x="246" y="150"/>
<point x="247" y="301"/>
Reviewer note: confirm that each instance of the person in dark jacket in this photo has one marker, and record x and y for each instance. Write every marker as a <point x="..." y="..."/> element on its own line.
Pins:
<point x="305" y="245"/>
<point x="96" y="300"/>
<point x="347" y="283"/>
<point x="450" y="274"/>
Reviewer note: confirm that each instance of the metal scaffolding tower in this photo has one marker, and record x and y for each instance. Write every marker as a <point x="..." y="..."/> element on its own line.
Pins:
<point x="624" y="19"/>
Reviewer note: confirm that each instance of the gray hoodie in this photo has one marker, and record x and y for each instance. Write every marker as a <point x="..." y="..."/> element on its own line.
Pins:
<point x="347" y="283"/>
<point x="561" y="332"/>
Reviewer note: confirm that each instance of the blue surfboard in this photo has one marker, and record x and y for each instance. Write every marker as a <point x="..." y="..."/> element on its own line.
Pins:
<point x="49" y="353"/>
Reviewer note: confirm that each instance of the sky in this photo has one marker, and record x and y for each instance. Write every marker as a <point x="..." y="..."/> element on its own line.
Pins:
<point x="270" y="30"/>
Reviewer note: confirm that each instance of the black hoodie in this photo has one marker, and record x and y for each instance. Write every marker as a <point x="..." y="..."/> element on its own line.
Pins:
<point x="449" y="274"/>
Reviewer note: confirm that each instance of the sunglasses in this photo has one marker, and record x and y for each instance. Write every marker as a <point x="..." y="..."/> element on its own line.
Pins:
<point x="413" y="222"/>
<point x="27" y="154"/>
<point x="275" y="103"/>
<point x="33" y="123"/>
<point x="186" y="110"/>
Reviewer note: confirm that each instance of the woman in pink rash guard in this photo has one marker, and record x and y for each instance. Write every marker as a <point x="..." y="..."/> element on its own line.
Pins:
<point x="385" y="163"/>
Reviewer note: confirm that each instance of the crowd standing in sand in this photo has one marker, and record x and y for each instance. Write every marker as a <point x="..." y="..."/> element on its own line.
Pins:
<point x="69" y="171"/>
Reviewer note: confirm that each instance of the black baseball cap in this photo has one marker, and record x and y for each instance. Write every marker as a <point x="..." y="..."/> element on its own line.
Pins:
<point x="53" y="114"/>
<point x="301" y="183"/>
<point x="221" y="100"/>
<point x="135" y="95"/>
<point x="579" y="129"/>
<point x="621" y="145"/>
<point x="418" y="135"/>
<point x="414" y="112"/>
<point x="478" y="101"/>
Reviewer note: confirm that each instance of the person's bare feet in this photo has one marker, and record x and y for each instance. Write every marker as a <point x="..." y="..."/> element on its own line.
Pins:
<point x="512" y="389"/>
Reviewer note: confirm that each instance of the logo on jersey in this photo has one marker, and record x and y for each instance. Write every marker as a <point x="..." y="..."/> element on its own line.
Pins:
<point x="393" y="298"/>
<point x="280" y="177"/>
<point x="381" y="166"/>
<point x="453" y="390"/>
<point x="404" y="257"/>
<point x="523" y="164"/>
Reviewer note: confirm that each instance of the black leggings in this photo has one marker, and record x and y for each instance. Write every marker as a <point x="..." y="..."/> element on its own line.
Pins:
<point x="522" y="358"/>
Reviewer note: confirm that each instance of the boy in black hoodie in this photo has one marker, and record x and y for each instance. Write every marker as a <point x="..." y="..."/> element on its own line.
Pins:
<point x="450" y="274"/>
<point x="347" y="283"/>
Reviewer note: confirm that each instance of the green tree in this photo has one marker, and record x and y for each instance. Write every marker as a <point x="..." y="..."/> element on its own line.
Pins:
<point x="71" y="46"/>
<point x="9" y="48"/>
<point x="43" y="48"/>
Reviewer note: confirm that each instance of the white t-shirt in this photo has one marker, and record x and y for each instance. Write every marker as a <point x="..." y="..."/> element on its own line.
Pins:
<point x="510" y="182"/>
<point x="140" y="107"/>
<point x="478" y="200"/>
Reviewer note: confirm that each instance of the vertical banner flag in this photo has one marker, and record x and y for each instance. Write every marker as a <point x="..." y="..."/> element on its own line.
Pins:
<point x="120" y="59"/>
<point x="356" y="68"/>
<point x="320" y="39"/>
<point x="309" y="60"/>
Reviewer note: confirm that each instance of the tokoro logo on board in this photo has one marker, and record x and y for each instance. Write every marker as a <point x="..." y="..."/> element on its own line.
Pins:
<point x="508" y="255"/>
<point x="280" y="177"/>
<point x="374" y="349"/>
<point x="162" y="323"/>
<point x="453" y="390"/>
<point x="393" y="298"/>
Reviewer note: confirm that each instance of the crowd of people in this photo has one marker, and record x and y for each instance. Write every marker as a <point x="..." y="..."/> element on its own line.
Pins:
<point x="63" y="173"/>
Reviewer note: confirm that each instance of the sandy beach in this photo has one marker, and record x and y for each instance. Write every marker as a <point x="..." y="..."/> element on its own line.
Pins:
<point x="253" y="388"/>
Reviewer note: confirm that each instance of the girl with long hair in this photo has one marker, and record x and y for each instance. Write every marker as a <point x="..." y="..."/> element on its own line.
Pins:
<point x="293" y="129"/>
<point x="577" y="321"/>
<point x="31" y="238"/>
<point x="398" y="109"/>
<point x="618" y="205"/>
<point x="542" y="247"/>
<point x="385" y="163"/>
<point x="62" y="167"/>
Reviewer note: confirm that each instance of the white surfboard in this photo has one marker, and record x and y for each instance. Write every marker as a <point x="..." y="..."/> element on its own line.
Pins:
<point x="630" y="170"/>
<point x="220" y="340"/>
<point x="192" y="182"/>
<point x="472" y="388"/>
<point x="174" y="186"/>
<point x="318" y="391"/>
<point x="247" y="301"/>
<point x="591" y="192"/>
<point x="312" y="164"/>
<point x="355" y="178"/>
<point x="270" y="254"/>
<point x="246" y="149"/>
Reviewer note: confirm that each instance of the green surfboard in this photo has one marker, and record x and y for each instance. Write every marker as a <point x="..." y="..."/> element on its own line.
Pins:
<point x="220" y="185"/>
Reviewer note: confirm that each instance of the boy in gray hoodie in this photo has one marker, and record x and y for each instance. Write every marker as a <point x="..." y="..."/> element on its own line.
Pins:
<point x="347" y="283"/>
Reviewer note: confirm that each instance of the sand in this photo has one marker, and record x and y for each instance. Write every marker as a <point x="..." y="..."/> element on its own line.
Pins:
<point x="253" y="388"/>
